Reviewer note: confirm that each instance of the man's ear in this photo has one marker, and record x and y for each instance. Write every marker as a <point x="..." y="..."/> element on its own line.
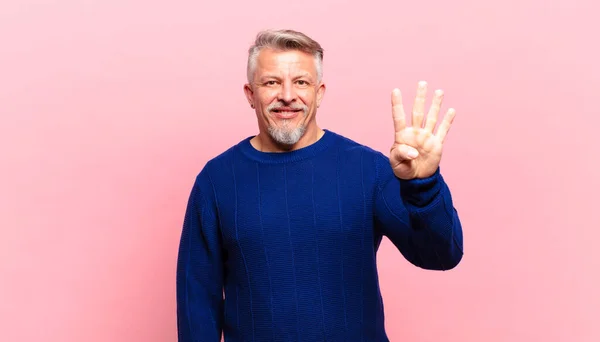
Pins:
<point x="320" y="93"/>
<point x="249" y="94"/>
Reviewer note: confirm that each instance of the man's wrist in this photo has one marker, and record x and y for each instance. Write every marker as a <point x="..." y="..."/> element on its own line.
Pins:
<point x="420" y="192"/>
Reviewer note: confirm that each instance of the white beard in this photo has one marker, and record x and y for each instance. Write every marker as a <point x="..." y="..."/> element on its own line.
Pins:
<point x="285" y="135"/>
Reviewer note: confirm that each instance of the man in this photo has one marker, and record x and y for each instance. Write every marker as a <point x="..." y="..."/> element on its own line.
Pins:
<point x="281" y="230"/>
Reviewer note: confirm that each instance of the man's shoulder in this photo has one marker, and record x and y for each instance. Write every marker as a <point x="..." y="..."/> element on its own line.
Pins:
<point x="219" y="163"/>
<point x="223" y="157"/>
<point x="350" y="145"/>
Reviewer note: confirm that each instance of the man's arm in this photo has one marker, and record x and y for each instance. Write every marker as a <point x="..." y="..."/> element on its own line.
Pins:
<point x="199" y="269"/>
<point x="432" y="238"/>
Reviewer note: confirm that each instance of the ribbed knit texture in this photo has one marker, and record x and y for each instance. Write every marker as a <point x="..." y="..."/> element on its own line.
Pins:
<point x="290" y="240"/>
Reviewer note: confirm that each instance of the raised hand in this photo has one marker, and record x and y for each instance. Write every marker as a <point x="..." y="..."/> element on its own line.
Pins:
<point x="417" y="150"/>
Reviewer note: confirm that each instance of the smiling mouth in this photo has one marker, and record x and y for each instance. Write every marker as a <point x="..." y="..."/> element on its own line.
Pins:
<point x="286" y="110"/>
<point x="286" y="113"/>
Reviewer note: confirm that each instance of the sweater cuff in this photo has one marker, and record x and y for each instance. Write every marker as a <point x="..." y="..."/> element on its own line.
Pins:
<point x="419" y="192"/>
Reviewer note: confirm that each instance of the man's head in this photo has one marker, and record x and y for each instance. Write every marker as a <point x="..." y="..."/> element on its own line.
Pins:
<point x="285" y="70"/>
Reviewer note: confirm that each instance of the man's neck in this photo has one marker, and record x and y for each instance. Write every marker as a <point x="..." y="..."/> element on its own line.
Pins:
<point x="264" y="143"/>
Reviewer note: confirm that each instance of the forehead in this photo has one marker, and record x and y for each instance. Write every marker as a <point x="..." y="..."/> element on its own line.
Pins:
<point x="286" y="62"/>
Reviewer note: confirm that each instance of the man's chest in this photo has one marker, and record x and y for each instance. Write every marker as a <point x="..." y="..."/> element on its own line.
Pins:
<point x="295" y="207"/>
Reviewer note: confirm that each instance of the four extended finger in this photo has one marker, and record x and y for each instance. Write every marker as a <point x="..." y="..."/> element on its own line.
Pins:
<point x="434" y="111"/>
<point x="444" y="127"/>
<point x="419" y="105"/>
<point x="398" y="111"/>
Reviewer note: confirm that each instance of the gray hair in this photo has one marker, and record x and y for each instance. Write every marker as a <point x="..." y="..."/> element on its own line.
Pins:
<point x="284" y="40"/>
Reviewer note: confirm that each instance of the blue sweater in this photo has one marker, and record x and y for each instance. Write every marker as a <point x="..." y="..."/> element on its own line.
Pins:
<point x="282" y="246"/>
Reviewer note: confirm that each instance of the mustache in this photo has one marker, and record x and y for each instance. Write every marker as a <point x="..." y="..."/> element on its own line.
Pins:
<point x="280" y="105"/>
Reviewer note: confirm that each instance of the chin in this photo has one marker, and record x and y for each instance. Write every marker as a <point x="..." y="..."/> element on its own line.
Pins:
<point x="286" y="136"/>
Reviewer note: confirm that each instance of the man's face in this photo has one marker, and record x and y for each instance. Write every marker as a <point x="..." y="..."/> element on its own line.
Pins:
<point x="285" y="94"/>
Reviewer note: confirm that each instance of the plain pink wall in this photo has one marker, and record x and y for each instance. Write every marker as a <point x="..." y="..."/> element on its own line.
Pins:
<point x="110" y="108"/>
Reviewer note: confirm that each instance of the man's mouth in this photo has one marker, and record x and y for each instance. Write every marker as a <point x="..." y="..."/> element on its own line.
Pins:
<point x="286" y="112"/>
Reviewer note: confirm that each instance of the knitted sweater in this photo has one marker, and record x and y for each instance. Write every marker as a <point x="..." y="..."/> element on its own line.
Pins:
<point x="282" y="246"/>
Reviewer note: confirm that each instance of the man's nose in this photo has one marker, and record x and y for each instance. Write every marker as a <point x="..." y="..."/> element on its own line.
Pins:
<point x="287" y="93"/>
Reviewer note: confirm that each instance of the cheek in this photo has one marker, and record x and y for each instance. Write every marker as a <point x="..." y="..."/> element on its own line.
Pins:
<point x="267" y="97"/>
<point x="308" y="99"/>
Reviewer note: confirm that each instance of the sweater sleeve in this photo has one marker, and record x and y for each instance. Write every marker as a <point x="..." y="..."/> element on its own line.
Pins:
<point x="419" y="218"/>
<point x="199" y="269"/>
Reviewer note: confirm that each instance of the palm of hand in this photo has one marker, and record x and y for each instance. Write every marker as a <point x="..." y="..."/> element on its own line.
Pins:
<point x="417" y="150"/>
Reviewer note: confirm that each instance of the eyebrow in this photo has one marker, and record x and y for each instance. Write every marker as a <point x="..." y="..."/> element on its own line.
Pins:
<point x="273" y="76"/>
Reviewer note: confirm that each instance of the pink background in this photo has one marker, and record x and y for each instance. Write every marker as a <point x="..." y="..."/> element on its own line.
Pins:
<point x="110" y="108"/>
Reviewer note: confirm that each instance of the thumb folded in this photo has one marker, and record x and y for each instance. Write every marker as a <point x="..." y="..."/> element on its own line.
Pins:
<point x="404" y="152"/>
